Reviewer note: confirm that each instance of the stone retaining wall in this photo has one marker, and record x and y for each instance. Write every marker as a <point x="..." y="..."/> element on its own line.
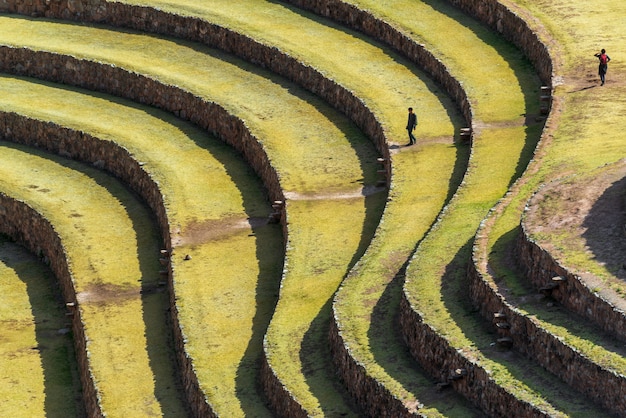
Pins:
<point x="116" y="81"/>
<point x="370" y="395"/>
<point x="363" y="387"/>
<point x="573" y="293"/>
<point x="28" y="228"/>
<point x="363" y="21"/>
<point x="442" y="361"/>
<point x="528" y="337"/>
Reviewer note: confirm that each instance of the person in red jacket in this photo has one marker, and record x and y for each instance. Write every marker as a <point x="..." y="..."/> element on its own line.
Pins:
<point x="604" y="60"/>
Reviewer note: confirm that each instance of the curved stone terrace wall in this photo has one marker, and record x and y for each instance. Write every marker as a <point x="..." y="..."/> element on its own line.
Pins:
<point x="572" y="292"/>
<point x="370" y="395"/>
<point x="439" y="358"/>
<point x="527" y="336"/>
<point x="28" y="228"/>
<point x="495" y="15"/>
<point x="116" y="81"/>
<point x="449" y="366"/>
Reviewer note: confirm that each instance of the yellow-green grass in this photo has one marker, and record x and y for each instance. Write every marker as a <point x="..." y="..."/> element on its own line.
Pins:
<point x="500" y="231"/>
<point x="586" y="130"/>
<point x="112" y="246"/>
<point x="499" y="88"/>
<point x="491" y="70"/>
<point x="37" y="366"/>
<point x="581" y="335"/>
<point x="385" y="81"/>
<point x="564" y="241"/>
<point x="435" y="283"/>
<point x="213" y="200"/>
<point x="311" y="151"/>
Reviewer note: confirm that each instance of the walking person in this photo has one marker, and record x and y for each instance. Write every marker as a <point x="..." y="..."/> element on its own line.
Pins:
<point x="604" y="60"/>
<point x="411" y="125"/>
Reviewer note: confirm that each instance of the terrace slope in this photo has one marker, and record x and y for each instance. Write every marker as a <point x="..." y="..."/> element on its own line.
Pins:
<point x="212" y="201"/>
<point x="37" y="359"/>
<point x="307" y="146"/>
<point x="120" y="262"/>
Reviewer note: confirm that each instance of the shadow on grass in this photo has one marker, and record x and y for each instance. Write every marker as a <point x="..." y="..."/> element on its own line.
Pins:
<point x="159" y="342"/>
<point x="528" y="79"/>
<point x="155" y="301"/>
<point x="315" y="355"/>
<point x="482" y="336"/>
<point x="604" y="229"/>
<point x="56" y="351"/>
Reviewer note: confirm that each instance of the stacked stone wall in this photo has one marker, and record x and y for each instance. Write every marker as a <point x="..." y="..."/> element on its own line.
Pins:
<point x="527" y="336"/>
<point x="30" y="229"/>
<point x="144" y="90"/>
<point x="451" y="367"/>
<point x="573" y="293"/>
<point x="368" y="393"/>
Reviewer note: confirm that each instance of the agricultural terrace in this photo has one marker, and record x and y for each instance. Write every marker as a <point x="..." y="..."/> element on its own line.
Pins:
<point x="246" y="232"/>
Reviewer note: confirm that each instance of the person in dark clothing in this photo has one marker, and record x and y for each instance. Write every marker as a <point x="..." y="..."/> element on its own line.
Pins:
<point x="411" y="125"/>
<point x="604" y="60"/>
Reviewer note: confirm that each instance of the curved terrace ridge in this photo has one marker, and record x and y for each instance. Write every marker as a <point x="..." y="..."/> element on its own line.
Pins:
<point x="135" y="86"/>
<point x="81" y="224"/>
<point x="115" y="158"/>
<point x="363" y="23"/>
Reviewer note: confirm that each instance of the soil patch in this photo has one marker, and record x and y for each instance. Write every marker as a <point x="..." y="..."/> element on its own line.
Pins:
<point x="588" y="214"/>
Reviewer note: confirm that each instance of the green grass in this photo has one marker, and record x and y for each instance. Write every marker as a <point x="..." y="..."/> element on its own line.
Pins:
<point x="111" y="266"/>
<point x="321" y="151"/>
<point x="38" y="372"/>
<point x="206" y="187"/>
<point x="509" y="85"/>
<point x="366" y="303"/>
<point x="585" y="135"/>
